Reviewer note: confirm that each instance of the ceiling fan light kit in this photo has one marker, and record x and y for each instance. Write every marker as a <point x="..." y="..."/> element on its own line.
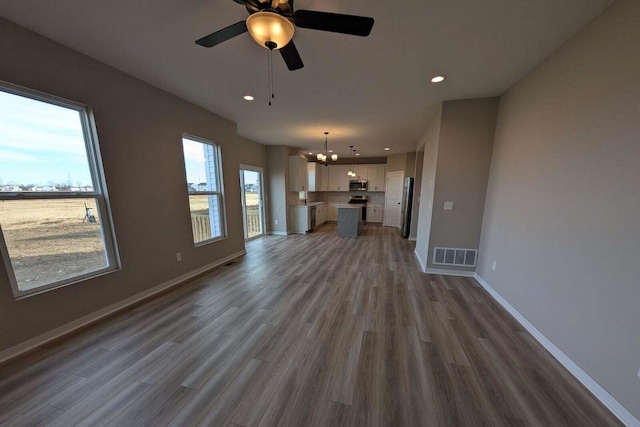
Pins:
<point x="270" y="30"/>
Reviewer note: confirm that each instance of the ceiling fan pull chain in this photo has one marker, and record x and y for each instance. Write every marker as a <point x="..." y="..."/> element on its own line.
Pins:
<point x="269" y="75"/>
<point x="273" y="87"/>
<point x="272" y="80"/>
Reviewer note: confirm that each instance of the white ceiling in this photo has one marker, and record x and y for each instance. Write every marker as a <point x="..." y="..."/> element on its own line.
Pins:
<point x="370" y="92"/>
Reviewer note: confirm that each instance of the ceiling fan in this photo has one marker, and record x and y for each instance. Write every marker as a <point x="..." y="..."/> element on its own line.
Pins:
<point x="271" y="24"/>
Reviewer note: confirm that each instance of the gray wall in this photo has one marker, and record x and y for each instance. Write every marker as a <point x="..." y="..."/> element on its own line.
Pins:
<point x="139" y="129"/>
<point x="467" y="131"/>
<point x="410" y="165"/>
<point x="396" y="162"/>
<point x="417" y="186"/>
<point x="429" y="141"/>
<point x="277" y="178"/>
<point x="404" y="162"/>
<point x="562" y="216"/>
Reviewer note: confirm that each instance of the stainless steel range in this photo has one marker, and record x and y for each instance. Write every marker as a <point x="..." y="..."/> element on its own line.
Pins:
<point x="360" y="200"/>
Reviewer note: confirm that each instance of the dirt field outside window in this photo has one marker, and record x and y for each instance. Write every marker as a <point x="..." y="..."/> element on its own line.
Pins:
<point x="51" y="240"/>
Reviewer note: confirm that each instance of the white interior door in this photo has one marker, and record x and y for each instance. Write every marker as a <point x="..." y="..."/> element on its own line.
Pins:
<point x="393" y="199"/>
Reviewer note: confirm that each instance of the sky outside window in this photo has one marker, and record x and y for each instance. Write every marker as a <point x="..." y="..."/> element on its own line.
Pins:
<point x="41" y="144"/>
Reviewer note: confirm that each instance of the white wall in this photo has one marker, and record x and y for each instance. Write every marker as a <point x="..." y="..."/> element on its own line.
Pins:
<point x="562" y="214"/>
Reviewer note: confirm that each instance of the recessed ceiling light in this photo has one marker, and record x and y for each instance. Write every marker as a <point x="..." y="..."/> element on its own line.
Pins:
<point x="387" y="148"/>
<point x="357" y="154"/>
<point x="331" y="151"/>
<point x="311" y="154"/>
<point x="437" y="79"/>
<point x="248" y="98"/>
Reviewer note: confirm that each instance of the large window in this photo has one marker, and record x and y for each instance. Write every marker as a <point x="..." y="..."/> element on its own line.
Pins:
<point x="206" y="192"/>
<point x="54" y="223"/>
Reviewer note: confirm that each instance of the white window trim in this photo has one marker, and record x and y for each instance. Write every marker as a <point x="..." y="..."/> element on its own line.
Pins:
<point x="219" y="193"/>
<point x="99" y="193"/>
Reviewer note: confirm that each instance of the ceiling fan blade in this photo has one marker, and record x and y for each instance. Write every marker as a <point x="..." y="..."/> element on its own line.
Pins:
<point x="254" y="3"/>
<point x="291" y="56"/>
<point x="223" y="35"/>
<point x="334" y="22"/>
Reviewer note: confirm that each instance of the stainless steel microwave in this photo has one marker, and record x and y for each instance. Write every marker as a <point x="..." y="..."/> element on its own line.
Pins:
<point x="358" y="185"/>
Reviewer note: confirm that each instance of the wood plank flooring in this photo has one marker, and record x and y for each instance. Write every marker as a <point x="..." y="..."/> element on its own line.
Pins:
<point x="313" y="330"/>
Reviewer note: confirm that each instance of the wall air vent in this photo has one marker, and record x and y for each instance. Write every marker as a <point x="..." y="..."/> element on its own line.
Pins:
<point x="457" y="257"/>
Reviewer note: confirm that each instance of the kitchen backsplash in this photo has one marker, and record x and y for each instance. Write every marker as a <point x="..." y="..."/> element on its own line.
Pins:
<point x="343" y="197"/>
<point x="297" y="198"/>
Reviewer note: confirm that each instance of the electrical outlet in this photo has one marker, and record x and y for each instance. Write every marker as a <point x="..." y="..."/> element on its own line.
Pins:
<point x="275" y="221"/>
<point x="178" y="256"/>
<point x="493" y="266"/>
<point x="448" y="206"/>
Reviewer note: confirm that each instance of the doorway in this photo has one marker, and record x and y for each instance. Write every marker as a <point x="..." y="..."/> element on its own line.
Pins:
<point x="393" y="199"/>
<point x="252" y="192"/>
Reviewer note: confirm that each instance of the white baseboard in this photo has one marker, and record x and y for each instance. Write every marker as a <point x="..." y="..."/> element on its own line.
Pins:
<point x="412" y="239"/>
<point x="596" y="389"/>
<point x="449" y="272"/>
<point x="107" y="311"/>
<point x="278" y="233"/>
<point x="424" y="267"/>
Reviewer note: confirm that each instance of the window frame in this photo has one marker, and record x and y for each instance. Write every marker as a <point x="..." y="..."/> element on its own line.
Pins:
<point x="219" y="171"/>
<point x="99" y="193"/>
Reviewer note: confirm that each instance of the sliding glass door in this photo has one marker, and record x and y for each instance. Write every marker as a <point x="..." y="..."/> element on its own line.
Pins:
<point x="252" y="201"/>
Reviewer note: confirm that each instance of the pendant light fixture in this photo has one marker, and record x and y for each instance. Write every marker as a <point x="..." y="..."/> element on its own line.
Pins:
<point x="324" y="158"/>
<point x="351" y="172"/>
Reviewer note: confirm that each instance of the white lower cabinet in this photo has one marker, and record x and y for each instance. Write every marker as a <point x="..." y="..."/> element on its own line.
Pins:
<point x="321" y="214"/>
<point x="299" y="219"/>
<point x="375" y="213"/>
<point x="332" y="211"/>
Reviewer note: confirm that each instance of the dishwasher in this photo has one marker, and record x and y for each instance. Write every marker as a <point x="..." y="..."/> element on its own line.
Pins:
<point x="312" y="217"/>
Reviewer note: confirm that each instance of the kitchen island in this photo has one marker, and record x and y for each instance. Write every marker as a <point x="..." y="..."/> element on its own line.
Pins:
<point x="349" y="220"/>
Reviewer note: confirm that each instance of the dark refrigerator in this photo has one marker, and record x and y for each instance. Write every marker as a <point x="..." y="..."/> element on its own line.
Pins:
<point x="407" y="204"/>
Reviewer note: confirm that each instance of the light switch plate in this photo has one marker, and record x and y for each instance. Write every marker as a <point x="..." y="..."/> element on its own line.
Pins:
<point x="448" y="206"/>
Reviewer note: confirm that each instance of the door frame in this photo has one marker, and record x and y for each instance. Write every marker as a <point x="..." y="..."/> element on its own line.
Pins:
<point x="263" y="221"/>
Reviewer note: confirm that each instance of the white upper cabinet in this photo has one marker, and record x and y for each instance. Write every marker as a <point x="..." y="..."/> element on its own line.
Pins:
<point x="362" y="171"/>
<point x="376" y="177"/>
<point x="338" y="178"/>
<point x="316" y="176"/>
<point x="298" y="174"/>
<point x="335" y="178"/>
<point x="324" y="178"/>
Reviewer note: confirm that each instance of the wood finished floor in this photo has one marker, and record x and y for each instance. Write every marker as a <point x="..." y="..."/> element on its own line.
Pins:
<point x="311" y="330"/>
